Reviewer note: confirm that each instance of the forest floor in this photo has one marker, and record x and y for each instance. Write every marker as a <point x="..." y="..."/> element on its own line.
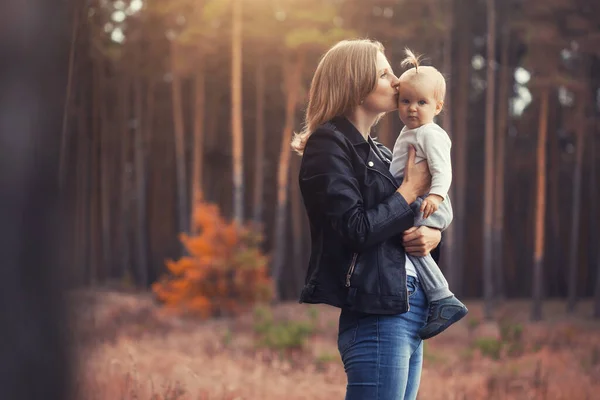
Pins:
<point x="128" y="348"/>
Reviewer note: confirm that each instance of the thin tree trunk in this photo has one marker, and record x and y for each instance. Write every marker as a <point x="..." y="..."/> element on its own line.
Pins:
<point x="292" y="74"/>
<point x="141" y="183"/>
<point x="488" y="260"/>
<point x="297" y="212"/>
<point x="594" y="214"/>
<point x="65" y="122"/>
<point x="179" y="136"/>
<point x="199" y="104"/>
<point x="81" y="243"/>
<point x="540" y="209"/>
<point x="125" y="211"/>
<point x="499" y="169"/>
<point x="459" y="142"/>
<point x="259" y="162"/>
<point x="576" y="206"/>
<point x="236" y="113"/>
<point x="94" y="177"/>
<point x="105" y="170"/>
<point x="449" y="248"/>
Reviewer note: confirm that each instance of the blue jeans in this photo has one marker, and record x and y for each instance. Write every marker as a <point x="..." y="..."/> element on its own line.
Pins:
<point x="383" y="354"/>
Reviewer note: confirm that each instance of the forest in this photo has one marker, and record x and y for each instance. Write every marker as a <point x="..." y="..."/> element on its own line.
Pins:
<point x="146" y="167"/>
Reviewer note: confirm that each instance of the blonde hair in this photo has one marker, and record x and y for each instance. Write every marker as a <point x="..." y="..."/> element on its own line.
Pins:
<point x="418" y="72"/>
<point x="346" y="74"/>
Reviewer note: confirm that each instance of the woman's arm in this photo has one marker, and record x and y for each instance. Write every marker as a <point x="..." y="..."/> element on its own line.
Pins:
<point x="328" y="183"/>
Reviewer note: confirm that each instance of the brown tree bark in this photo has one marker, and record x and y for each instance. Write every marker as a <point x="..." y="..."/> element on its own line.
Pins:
<point x="259" y="153"/>
<point x="580" y="128"/>
<point x="199" y="105"/>
<point x="293" y="74"/>
<point x="499" y="168"/>
<point x="488" y="257"/>
<point x="179" y="137"/>
<point x="540" y="209"/>
<point x="236" y="114"/>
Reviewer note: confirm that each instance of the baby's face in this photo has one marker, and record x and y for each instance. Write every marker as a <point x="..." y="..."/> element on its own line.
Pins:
<point x="417" y="105"/>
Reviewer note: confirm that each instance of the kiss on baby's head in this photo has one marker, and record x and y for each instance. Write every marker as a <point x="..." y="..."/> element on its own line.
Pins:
<point x="420" y="93"/>
<point x="423" y="75"/>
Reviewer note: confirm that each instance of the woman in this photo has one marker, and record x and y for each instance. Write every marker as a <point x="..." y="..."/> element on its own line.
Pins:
<point x="361" y="223"/>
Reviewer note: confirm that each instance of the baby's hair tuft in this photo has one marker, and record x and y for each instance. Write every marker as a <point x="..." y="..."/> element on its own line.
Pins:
<point x="411" y="59"/>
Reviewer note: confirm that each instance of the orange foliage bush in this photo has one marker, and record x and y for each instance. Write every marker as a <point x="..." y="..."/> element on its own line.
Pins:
<point x="224" y="273"/>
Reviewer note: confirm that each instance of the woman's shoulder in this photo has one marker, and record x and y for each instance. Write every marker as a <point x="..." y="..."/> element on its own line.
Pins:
<point x="326" y="133"/>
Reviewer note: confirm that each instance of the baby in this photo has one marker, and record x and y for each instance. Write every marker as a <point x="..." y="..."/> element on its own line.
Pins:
<point x="421" y="98"/>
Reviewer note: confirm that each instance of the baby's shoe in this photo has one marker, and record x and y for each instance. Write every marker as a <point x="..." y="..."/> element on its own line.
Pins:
<point x="442" y="314"/>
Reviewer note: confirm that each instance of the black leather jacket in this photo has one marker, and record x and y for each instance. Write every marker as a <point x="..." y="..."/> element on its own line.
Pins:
<point x="356" y="221"/>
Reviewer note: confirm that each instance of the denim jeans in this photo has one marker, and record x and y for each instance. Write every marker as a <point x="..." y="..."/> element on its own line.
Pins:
<point x="383" y="354"/>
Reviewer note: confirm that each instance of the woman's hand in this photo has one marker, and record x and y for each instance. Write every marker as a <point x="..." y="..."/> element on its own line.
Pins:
<point x="420" y="241"/>
<point x="417" y="179"/>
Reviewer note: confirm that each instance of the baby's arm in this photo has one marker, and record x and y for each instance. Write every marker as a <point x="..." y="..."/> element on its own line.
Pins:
<point x="436" y="145"/>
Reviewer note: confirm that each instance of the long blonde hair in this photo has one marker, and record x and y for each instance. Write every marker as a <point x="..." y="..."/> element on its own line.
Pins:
<point x="346" y="74"/>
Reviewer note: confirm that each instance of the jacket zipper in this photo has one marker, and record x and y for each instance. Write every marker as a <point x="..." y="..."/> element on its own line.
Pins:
<point x="351" y="269"/>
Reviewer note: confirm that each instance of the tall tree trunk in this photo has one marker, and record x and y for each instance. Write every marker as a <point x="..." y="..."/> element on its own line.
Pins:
<point x="199" y="104"/>
<point x="259" y="153"/>
<point x="499" y="168"/>
<point x="236" y="113"/>
<point x="459" y="140"/>
<point x="179" y="136"/>
<point x="594" y="213"/>
<point x="488" y="257"/>
<point x="576" y="206"/>
<point x="64" y="138"/>
<point x="105" y="169"/>
<point x="125" y="195"/>
<point x="449" y="248"/>
<point x="95" y="224"/>
<point x="540" y="209"/>
<point x="293" y="74"/>
<point x="297" y="211"/>
<point x="141" y="226"/>
<point x="81" y="216"/>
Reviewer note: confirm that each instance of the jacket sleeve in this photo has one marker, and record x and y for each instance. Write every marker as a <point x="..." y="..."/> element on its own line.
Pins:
<point x="329" y="185"/>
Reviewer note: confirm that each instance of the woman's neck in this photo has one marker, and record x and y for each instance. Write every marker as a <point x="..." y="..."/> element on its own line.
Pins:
<point x="362" y="121"/>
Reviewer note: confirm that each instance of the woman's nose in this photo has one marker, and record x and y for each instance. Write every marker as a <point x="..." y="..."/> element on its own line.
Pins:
<point x="395" y="82"/>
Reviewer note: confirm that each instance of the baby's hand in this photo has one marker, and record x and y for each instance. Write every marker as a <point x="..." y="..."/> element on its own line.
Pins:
<point x="430" y="205"/>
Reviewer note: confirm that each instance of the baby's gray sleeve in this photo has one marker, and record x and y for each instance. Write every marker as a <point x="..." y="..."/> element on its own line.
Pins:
<point x="440" y="219"/>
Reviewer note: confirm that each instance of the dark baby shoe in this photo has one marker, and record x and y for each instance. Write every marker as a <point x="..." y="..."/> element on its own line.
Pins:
<point x="442" y="314"/>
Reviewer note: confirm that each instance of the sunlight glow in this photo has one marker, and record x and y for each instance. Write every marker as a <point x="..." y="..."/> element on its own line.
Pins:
<point x="117" y="35"/>
<point x="118" y="16"/>
<point x="521" y="101"/>
<point x="135" y="6"/>
<point x="522" y="76"/>
<point x="108" y="27"/>
<point x="388" y="12"/>
<point x="280" y="15"/>
<point x="565" y="96"/>
<point x="478" y="62"/>
<point x="119" y="5"/>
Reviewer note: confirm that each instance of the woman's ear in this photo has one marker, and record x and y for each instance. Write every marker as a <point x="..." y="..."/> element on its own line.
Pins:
<point x="438" y="107"/>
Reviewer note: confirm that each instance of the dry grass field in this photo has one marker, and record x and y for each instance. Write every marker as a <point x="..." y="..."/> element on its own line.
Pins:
<point x="128" y="348"/>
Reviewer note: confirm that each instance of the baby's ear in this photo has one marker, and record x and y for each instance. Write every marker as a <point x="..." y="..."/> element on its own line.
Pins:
<point x="439" y="107"/>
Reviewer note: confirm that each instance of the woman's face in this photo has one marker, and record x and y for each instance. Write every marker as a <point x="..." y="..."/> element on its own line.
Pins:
<point x="384" y="97"/>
